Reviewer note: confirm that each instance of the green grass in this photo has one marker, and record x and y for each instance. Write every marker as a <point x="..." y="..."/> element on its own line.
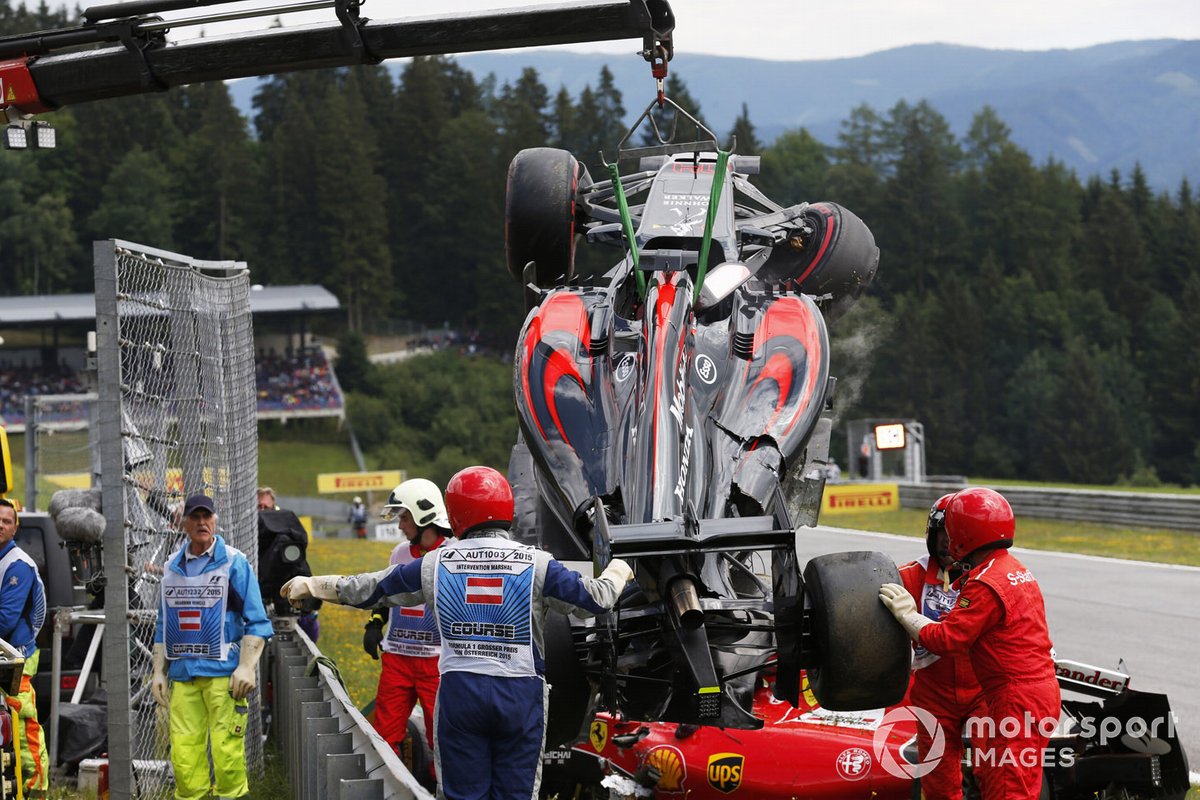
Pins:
<point x="66" y="451"/>
<point x="291" y="468"/>
<point x="1143" y="544"/>
<point x="342" y="626"/>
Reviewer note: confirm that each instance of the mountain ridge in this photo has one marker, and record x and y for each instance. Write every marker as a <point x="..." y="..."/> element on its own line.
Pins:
<point x="1099" y="108"/>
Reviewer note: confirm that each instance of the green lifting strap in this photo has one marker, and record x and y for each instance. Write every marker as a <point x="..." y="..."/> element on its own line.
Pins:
<point x="627" y="224"/>
<point x="713" y="199"/>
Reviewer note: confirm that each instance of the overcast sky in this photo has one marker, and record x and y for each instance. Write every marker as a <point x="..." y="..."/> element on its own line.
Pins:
<point x="797" y="30"/>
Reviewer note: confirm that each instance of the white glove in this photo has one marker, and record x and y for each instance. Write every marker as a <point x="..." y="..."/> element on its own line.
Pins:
<point x="322" y="587"/>
<point x="903" y="608"/>
<point x="159" y="686"/>
<point x="620" y="572"/>
<point x="245" y="677"/>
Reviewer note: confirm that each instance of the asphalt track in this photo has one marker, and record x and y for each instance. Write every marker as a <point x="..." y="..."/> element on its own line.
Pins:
<point x="1100" y="610"/>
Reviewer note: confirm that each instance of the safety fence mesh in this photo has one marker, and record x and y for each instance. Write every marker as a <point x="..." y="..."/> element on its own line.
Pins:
<point x="59" y="452"/>
<point x="186" y="391"/>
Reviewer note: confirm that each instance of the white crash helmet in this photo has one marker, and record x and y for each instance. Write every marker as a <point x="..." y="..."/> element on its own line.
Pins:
<point x="422" y="499"/>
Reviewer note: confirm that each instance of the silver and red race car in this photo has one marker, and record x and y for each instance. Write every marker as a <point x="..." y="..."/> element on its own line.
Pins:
<point x="670" y="413"/>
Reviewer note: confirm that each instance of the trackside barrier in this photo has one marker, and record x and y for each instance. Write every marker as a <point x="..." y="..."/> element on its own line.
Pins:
<point x="330" y="751"/>
<point x="1133" y="509"/>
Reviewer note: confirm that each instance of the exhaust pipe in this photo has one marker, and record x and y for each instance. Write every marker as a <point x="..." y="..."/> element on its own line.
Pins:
<point x="686" y="603"/>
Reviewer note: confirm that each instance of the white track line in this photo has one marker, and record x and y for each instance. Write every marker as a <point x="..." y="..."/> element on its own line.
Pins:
<point x="1078" y="556"/>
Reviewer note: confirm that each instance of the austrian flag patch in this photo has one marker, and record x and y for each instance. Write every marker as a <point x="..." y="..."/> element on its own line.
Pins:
<point x="488" y="591"/>
<point x="189" y="620"/>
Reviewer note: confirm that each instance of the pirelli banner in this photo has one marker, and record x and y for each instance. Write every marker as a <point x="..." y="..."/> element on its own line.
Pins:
<point x="848" y="498"/>
<point x="355" y="482"/>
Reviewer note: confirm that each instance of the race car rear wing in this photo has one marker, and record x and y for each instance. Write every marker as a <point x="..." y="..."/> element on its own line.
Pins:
<point x="1087" y="679"/>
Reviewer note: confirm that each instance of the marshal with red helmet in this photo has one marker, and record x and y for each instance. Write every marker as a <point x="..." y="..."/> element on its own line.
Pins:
<point x="1000" y="621"/>
<point x="978" y="518"/>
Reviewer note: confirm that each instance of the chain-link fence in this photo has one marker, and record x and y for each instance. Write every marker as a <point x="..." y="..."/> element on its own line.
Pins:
<point x="59" y="453"/>
<point x="175" y="364"/>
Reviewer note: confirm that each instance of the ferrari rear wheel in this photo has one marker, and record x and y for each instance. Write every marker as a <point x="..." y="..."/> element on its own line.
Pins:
<point x="539" y="215"/>
<point x="862" y="654"/>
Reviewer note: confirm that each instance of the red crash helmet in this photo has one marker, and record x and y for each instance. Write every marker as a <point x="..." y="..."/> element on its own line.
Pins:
<point x="978" y="518"/>
<point x="936" y="522"/>
<point x="478" y="496"/>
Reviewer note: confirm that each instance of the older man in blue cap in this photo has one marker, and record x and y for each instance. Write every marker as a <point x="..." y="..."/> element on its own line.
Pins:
<point x="211" y="630"/>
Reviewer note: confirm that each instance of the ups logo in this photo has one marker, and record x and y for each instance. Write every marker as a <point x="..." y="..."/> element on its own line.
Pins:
<point x="725" y="771"/>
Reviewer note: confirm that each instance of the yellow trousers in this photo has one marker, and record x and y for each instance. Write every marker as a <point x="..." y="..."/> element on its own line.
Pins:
<point x="204" y="714"/>
<point x="35" y="763"/>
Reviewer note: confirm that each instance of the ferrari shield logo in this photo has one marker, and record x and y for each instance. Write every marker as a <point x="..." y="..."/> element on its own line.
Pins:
<point x="598" y="735"/>
<point x="725" y="771"/>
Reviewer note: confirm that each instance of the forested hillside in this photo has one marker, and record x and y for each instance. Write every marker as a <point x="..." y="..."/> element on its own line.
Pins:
<point x="1040" y="324"/>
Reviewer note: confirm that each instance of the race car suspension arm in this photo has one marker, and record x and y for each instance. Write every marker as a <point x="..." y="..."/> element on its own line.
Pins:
<point x="62" y="79"/>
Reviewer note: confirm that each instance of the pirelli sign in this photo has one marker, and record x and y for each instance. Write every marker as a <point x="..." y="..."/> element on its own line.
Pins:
<point x="853" y="498"/>
<point x="354" y="482"/>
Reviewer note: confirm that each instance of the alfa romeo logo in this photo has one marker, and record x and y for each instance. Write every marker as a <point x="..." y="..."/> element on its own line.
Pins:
<point x="853" y="763"/>
<point x="925" y="721"/>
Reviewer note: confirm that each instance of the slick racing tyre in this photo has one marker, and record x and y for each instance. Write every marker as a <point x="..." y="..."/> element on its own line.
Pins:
<point x="570" y="691"/>
<point x="862" y="654"/>
<point x="838" y="261"/>
<point x="539" y="215"/>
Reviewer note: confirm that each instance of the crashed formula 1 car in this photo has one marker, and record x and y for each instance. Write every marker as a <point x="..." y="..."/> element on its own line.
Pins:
<point x="804" y="751"/>
<point x="671" y="415"/>
<point x="1098" y="751"/>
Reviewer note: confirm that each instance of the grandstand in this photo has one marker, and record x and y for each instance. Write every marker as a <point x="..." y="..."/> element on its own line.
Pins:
<point x="43" y="352"/>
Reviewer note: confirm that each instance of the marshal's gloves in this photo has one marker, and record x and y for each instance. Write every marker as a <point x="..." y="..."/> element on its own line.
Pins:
<point x="159" y="686"/>
<point x="619" y="571"/>
<point x="373" y="635"/>
<point x="903" y="608"/>
<point x="320" y="587"/>
<point x="245" y="676"/>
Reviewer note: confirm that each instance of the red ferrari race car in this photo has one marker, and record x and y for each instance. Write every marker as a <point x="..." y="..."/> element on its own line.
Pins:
<point x="810" y="752"/>
<point x="802" y="751"/>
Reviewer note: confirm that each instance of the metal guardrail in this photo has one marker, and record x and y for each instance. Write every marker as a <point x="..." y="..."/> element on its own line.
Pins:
<point x="330" y="750"/>
<point x="1133" y="509"/>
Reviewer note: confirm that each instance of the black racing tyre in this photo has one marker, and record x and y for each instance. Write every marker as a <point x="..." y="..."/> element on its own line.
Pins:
<point x="539" y="214"/>
<point x="570" y="691"/>
<point x="837" y="263"/>
<point x="862" y="654"/>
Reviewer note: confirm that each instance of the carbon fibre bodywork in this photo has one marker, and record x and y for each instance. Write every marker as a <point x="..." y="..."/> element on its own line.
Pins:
<point x="669" y="415"/>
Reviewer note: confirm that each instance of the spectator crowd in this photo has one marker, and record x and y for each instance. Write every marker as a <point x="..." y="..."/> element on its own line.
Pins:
<point x="300" y="382"/>
<point x="19" y="380"/>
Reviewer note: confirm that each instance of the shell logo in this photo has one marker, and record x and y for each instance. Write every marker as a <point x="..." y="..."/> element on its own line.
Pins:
<point x="669" y="763"/>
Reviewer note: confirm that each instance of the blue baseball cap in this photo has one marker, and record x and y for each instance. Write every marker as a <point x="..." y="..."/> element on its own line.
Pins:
<point x="198" y="501"/>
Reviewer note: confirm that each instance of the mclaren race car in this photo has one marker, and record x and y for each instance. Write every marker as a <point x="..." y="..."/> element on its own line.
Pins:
<point x="671" y="415"/>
